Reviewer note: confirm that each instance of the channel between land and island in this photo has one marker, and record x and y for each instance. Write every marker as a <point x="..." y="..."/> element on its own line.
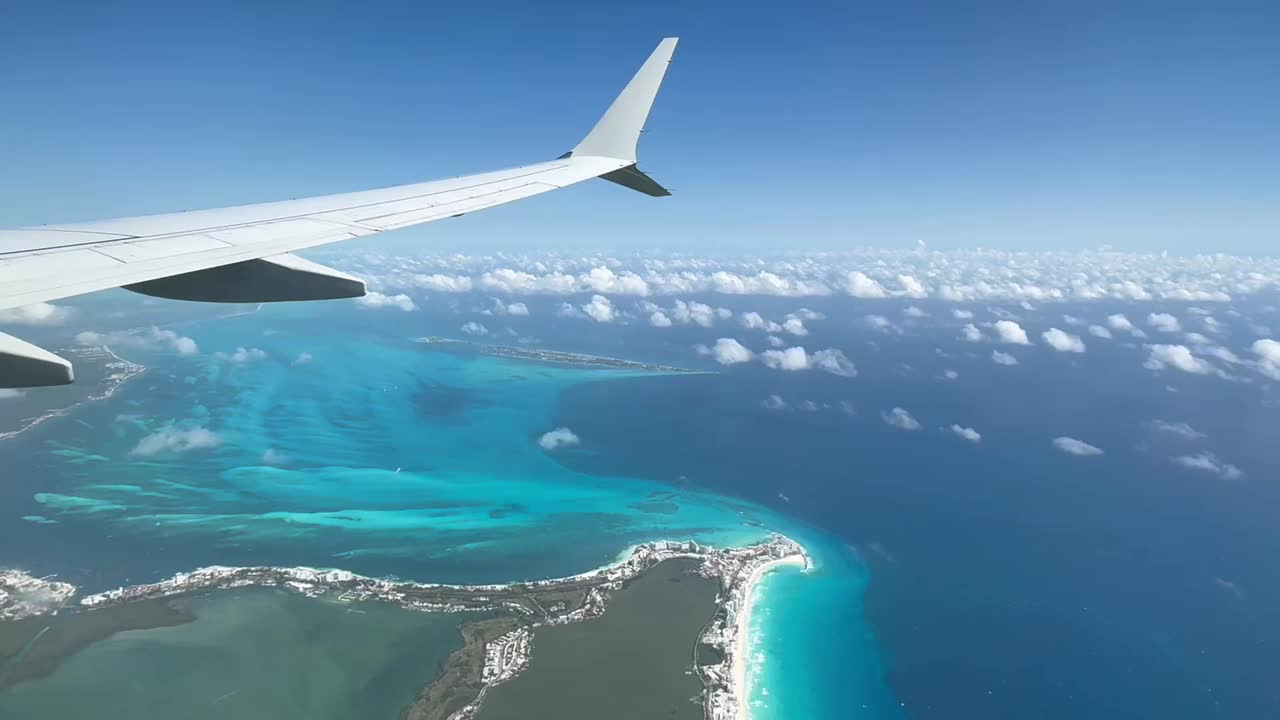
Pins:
<point x="498" y="644"/>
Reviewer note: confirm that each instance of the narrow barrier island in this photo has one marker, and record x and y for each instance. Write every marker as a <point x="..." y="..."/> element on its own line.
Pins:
<point x="501" y="622"/>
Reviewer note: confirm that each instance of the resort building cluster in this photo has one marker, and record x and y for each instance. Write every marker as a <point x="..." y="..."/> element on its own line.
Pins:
<point x="23" y="595"/>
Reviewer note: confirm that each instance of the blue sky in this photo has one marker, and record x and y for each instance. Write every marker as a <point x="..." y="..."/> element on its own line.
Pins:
<point x="814" y="126"/>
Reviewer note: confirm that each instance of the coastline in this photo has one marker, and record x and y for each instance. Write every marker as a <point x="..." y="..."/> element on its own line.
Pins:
<point x="739" y="658"/>
<point x="527" y="604"/>
<point x="120" y="372"/>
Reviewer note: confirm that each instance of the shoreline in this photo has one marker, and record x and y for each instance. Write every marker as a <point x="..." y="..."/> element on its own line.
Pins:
<point x="739" y="658"/>
<point x="121" y="372"/>
<point x="527" y="604"/>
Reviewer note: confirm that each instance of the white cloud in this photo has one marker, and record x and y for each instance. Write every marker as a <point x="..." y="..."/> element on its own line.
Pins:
<point x="1181" y="429"/>
<point x="11" y="393"/>
<point x="795" y="326"/>
<point x="178" y="343"/>
<point x="914" y="312"/>
<point x="695" y="313"/>
<point x="1175" y="356"/>
<point x="600" y="309"/>
<point x="375" y="300"/>
<point x="1120" y="322"/>
<point x="860" y="286"/>
<point x="474" y="328"/>
<point x="242" y="356"/>
<point x="518" y="309"/>
<point x="443" y="283"/>
<point x="1268" y="352"/>
<point x="171" y="440"/>
<point x="1072" y="446"/>
<point x="961" y="314"/>
<point x="1099" y="331"/>
<point x="776" y="342"/>
<point x="568" y="311"/>
<point x="834" y="361"/>
<point x="558" y="438"/>
<point x="967" y="433"/>
<point x="900" y="419"/>
<point x="774" y="402"/>
<point x="950" y="374"/>
<point x="1011" y="333"/>
<point x="1164" y="322"/>
<point x="659" y="319"/>
<point x="40" y="313"/>
<point x="753" y="321"/>
<point x="727" y="351"/>
<point x="302" y="359"/>
<point x="1001" y="358"/>
<point x="793" y="358"/>
<point x="880" y="322"/>
<point x="912" y="287"/>
<point x="972" y="333"/>
<point x="805" y="313"/>
<point x="1063" y="341"/>
<point x="1209" y="462"/>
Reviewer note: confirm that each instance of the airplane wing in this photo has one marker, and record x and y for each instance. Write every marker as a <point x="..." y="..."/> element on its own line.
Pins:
<point x="244" y="253"/>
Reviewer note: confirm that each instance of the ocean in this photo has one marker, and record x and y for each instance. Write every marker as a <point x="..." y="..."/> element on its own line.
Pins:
<point x="1003" y="579"/>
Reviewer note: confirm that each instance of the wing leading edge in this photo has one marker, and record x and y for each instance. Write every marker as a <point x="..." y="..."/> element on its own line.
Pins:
<point x="244" y="253"/>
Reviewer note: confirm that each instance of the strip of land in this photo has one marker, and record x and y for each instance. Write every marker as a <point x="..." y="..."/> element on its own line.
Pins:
<point x="501" y="632"/>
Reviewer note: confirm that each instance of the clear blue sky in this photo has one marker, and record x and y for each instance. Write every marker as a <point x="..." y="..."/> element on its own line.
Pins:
<point x="1146" y="125"/>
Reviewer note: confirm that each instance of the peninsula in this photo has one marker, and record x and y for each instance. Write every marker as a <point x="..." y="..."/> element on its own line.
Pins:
<point x="501" y="622"/>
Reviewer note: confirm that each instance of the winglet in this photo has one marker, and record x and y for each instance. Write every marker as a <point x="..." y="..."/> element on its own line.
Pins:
<point x="616" y="133"/>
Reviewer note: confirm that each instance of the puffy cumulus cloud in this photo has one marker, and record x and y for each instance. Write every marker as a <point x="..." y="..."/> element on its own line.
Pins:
<point x="376" y="300"/>
<point x="304" y="358"/>
<point x="172" y="441"/>
<point x="600" y="309"/>
<point x="912" y="288"/>
<point x="795" y="326"/>
<point x="961" y="314"/>
<point x="474" y="328"/>
<point x="1268" y="352"/>
<point x="1208" y="462"/>
<point x="558" y="438"/>
<point x="1063" y="341"/>
<point x="961" y="276"/>
<point x="755" y="321"/>
<point x="966" y="433"/>
<point x="1121" y="323"/>
<point x="603" y="280"/>
<point x="694" y="313"/>
<point x="912" y="311"/>
<point x="1099" y="332"/>
<point x="1179" y="429"/>
<point x="881" y="323"/>
<point x="515" y="309"/>
<point x="1164" y="322"/>
<point x="242" y="356"/>
<point x="11" y="393"/>
<point x="659" y="319"/>
<point x="950" y="374"/>
<point x="793" y="358"/>
<point x="971" y="333"/>
<point x="567" y="310"/>
<point x="775" y="341"/>
<point x="900" y="419"/>
<point x="1010" y="332"/>
<point x="805" y="313"/>
<point x="1072" y="446"/>
<point x="1178" y="357"/>
<point x="153" y="338"/>
<point x="1003" y="358"/>
<point x="41" y="313"/>
<point x="859" y="285"/>
<point x="833" y="361"/>
<point x="443" y="283"/>
<point x="727" y="351"/>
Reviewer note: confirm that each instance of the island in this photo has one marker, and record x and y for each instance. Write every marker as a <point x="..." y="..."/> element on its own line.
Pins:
<point x="555" y="357"/>
<point x="502" y="621"/>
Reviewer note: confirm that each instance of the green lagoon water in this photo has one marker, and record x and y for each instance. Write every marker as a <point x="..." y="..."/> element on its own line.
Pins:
<point x="249" y="654"/>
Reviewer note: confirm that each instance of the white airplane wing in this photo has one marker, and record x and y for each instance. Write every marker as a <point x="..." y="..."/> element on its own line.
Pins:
<point x="243" y="254"/>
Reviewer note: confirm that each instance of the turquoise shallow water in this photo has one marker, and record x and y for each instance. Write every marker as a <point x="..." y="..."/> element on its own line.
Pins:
<point x="345" y="444"/>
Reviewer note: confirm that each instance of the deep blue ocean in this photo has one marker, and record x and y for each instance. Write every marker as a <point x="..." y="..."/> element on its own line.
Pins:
<point x="1004" y="579"/>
